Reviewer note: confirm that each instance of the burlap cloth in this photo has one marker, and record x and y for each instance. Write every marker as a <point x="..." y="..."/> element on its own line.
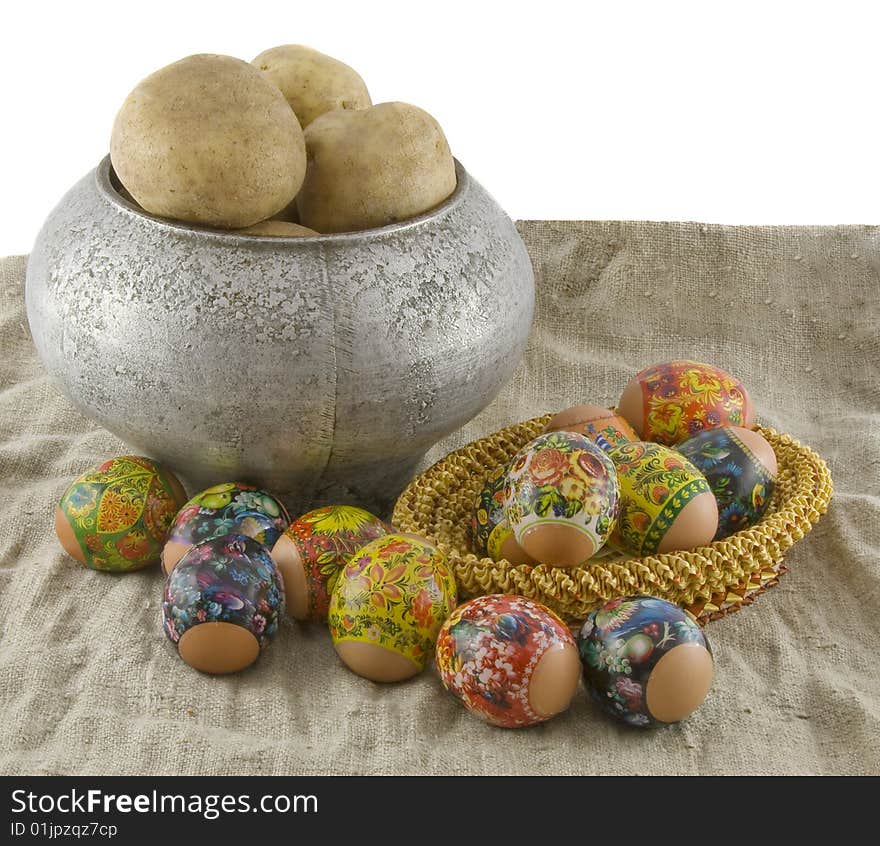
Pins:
<point x="89" y="684"/>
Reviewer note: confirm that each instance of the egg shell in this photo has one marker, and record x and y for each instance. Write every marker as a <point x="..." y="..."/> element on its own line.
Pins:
<point x="387" y="607"/>
<point x="502" y="546"/>
<point x="669" y="402"/>
<point x="508" y="659"/>
<point x="609" y="432"/>
<point x="666" y="504"/>
<point x="601" y="425"/>
<point x="116" y="516"/>
<point x="223" y="603"/>
<point x="569" y="419"/>
<point x="312" y="551"/>
<point x="561" y="498"/>
<point x="221" y="509"/>
<point x="740" y="467"/>
<point x="646" y="661"/>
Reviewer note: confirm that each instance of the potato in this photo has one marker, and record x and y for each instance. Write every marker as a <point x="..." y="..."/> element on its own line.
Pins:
<point x="279" y="229"/>
<point x="312" y="82"/>
<point x="209" y="140"/>
<point x="290" y="213"/>
<point x="373" y="167"/>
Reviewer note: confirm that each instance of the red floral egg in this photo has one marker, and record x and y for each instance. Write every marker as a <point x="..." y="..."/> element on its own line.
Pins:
<point x="508" y="660"/>
<point x="669" y="402"/>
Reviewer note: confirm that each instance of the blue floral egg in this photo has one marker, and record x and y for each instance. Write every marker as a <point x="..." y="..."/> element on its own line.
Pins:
<point x="223" y="603"/>
<point x="646" y="661"/>
<point x="488" y="509"/>
<point x="225" y="508"/>
<point x="740" y="467"/>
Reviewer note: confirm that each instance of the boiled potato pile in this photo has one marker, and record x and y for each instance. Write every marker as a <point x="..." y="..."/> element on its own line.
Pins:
<point x="289" y="145"/>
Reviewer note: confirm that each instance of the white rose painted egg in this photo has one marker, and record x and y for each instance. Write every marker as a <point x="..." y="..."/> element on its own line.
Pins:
<point x="561" y="498"/>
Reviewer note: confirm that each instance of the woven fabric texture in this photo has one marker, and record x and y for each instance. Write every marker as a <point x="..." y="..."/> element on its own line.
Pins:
<point x="89" y="684"/>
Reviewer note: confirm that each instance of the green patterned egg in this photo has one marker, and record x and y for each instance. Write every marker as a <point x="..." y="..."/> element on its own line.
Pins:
<point x="666" y="504"/>
<point x="116" y="517"/>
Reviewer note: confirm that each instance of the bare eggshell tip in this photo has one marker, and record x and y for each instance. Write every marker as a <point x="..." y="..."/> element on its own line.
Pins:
<point x="66" y="536"/>
<point x="218" y="648"/>
<point x="679" y="682"/>
<point x="554" y="680"/>
<point x="375" y="662"/>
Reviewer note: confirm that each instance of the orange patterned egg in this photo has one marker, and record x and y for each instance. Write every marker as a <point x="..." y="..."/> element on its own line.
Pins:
<point x="669" y="402"/>
<point x="601" y="425"/>
<point x="313" y="550"/>
<point x="508" y="660"/>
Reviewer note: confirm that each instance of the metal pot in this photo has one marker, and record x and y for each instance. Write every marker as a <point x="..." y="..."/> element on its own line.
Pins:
<point x="322" y="368"/>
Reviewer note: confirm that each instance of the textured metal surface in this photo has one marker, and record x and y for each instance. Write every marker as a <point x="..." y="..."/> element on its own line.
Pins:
<point x="321" y="368"/>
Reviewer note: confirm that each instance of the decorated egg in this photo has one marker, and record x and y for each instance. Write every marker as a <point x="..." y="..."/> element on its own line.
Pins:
<point x="646" y="661"/>
<point x="740" y="467"/>
<point x="116" y="517"/>
<point x="561" y="498"/>
<point x="387" y="607"/>
<point x="601" y="425"/>
<point x="666" y="504"/>
<point x="490" y="532"/>
<point x="312" y="551"/>
<point x="230" y="507"/>
<point x="508" y="660"/>
<point x="223" y="603"/>
<point x="669" y="402"/>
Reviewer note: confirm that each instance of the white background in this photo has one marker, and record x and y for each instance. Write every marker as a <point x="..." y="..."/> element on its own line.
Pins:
<point x="730" y="112"/>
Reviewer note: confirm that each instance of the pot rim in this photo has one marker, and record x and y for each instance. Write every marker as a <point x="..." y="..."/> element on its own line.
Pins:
<point x="105" y="176"/>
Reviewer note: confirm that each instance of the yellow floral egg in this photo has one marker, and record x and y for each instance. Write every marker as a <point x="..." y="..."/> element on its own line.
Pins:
<point x="387" y="607"/>
<point x="666" y="503"/>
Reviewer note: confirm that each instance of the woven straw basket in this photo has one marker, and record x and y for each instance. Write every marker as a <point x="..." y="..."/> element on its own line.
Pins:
<point x="709" y="581"/>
